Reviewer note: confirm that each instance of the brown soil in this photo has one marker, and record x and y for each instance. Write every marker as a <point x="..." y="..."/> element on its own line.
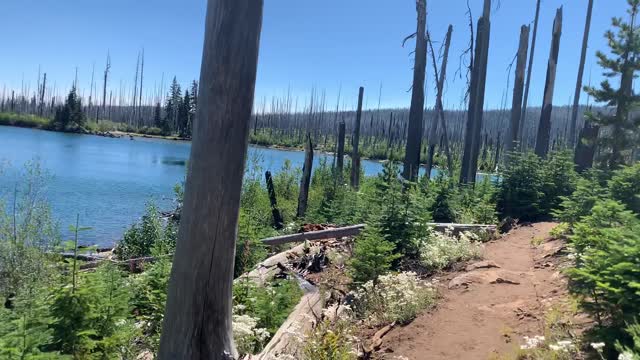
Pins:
<point x="486" y="310"/>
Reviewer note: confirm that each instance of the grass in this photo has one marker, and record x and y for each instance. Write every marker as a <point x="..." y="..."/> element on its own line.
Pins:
<point x="24" y="120"/>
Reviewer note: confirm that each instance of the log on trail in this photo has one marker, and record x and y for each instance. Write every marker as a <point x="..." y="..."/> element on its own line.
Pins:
<point x="458" y="228"/>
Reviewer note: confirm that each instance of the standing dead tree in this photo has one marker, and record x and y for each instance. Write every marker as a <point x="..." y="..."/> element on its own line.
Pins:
<point x="340" y="152"/>
<point x="104" y="87"/>
<point x="303" y="196"/>
<point x="518" y="86"/>
<point x="355" y="142"/>
<point x="523" y="117"/>
<point x="473" y="129"/>
<point x="416" y="112"/>
<point x="278" y="222"/>
<point x="439" y="110"/>
<point x="544" y="127"/>
<point x="576" y="95"/>
<point x="197" y="322"/>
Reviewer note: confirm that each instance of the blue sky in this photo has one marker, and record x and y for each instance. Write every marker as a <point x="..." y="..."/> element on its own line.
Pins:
<point x="328" y="44"/>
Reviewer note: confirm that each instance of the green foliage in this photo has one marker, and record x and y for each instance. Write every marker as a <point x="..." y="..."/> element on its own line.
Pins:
<point x="624" y="186"/>
<point x="631" y="351"/>
<point x="150" y="298"/>
<point x="329" y="340"/>
<point x="372" y="256"/>
<point x="605" y="278"/>
<point x="622" y="130"/>
<point x="271" y="304"/>
<point x="70" y="116"/>
<point x="443" y="207"/>
<point x="140" y="238"/>
<point x="573" y="207"/>
<point x="531" y="188"/>
<point x="24" y="120"/>
<point x="520" y="191"/>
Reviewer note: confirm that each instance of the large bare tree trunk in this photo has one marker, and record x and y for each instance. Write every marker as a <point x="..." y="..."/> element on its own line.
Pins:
<point x="303" y="196"/>
<point x="544" y="127"/>
<point x="523" y="118"/>
<point x="476" y="99"/>
<point x="104" y="87"/>
<point x="516" y="104"/>
<point x="355" y="142"/>
<point x="197" y="323"/>
<point x="576" y="95"/>
<point x="416" y="112"/>
<point x="433" y="132"/>
<point x="340" y="152"/>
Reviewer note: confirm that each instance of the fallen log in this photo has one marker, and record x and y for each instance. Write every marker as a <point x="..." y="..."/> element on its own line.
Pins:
<point x="335" y="233"/>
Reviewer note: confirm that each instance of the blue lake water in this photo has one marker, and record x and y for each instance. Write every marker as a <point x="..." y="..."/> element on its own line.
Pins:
<point x="108" y="181"/>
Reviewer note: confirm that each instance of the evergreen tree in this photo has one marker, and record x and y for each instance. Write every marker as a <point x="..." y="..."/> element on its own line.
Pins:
<point x="70" y="117"/>
<point x="184" y="116"/>
<point x="172" y="105"/>
<point x="621" y="131"/>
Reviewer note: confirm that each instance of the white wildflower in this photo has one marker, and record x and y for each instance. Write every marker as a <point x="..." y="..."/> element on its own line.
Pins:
<point x="597" y="346"/>
<point x="625" y="356"/>
<point x="532" y="342"/>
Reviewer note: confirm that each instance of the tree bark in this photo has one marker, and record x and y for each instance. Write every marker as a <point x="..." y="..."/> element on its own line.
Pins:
<point x="544" y="127"/>
<point x="476" y="99"/>
<point x="433" y="132"/>
<point x="197" y="322"/>
<point x="355" y="155"/>
<point x="416" y="112"/>
<point x="576" y="95"/>
<point x="523" y="117"/>
<point x="586" y="146"/>
<point x="278" y="223"/>
<point x="516" y="104"/>
<point x="340" y="152"/>
<point x="303" y="196"/>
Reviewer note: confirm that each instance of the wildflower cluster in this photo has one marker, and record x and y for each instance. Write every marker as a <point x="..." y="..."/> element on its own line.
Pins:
<point x="440" y="250"/>
<point x="246" y="333"/>
<point x="393" y="298"/>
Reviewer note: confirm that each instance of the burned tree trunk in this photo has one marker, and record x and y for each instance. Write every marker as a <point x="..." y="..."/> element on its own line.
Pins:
<point x="303" y="197"/>
<point x="523" y="117"/>
<point x="197" y="322"/>
<point x="416" y="112"/>
<point x="576" y="95"/>
<point x="355" y="142"/>
<point x="104" y="87"/>
<point x="544" y="127"/>
<point x="433" y="132"/>
<point x="278" y="223"/>
<point x="586" y="146"/>
<point x="42" y="92"/>
<point x="340" y="152"/>
<point x="516" y="104"/>
<point x="476" y="99"/>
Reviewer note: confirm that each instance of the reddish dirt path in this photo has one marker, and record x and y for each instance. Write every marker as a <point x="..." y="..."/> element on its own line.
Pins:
<point x="484" y="312"/>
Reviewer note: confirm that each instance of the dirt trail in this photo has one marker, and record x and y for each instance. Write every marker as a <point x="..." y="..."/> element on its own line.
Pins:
<point x="487" y="310"/>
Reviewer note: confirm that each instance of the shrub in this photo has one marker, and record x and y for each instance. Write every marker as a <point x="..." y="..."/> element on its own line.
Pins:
<point x="249" y="338"/>
<point x="476" y="204"/>
<point x="269" y="304"/>
<point x="605" y="278"/>
<point x="631" y="351"/>
<point x="140" y="238"/>
<point x="393" y="298"/>
<point x="439" y="251"/>
<point x="520" y="192"/>
<point x="372" y="256"/>
<point x="442" y="207"/>
<point x="559" y="179"/>
<point x="330" y="340"/>
<point x="573" y="207"/>
<point x="624" y="186"/>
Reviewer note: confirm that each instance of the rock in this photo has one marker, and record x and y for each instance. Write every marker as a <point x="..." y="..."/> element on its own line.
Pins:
<point x="485" y="277"/>
<point x="486" y="264"/>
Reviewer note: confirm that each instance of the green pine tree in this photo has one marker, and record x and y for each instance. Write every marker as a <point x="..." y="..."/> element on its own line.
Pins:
<point x="621" y="128"/>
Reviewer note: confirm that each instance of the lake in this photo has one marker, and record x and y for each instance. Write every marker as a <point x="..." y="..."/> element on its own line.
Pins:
<point x="108" y="181"/>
